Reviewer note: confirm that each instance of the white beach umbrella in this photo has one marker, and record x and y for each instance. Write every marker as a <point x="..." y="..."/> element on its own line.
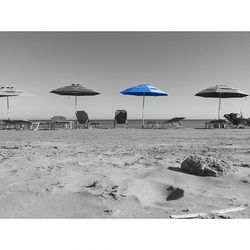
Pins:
<point x="8" y="91"/>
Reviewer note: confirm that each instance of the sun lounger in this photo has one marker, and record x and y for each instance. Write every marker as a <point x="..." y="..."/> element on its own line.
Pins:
<point x="38" y="124"/>
<point x="175" y="122"/>
<point x="216" y="124"/>
<point x="237" y="121"/>
<point x="62" y="121"/>
<point x="22" y="124"/>
<point x="121" y="118"/>
<point x="16" y="124"/>
<point x="83" y="120"/>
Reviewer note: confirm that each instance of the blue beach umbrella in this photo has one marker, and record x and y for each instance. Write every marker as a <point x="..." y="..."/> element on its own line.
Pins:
<point x="143" y="90"/>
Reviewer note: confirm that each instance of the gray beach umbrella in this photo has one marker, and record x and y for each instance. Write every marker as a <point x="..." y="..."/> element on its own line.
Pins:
<point x="221" y="91"/>
<point x="74" y="90"/>
<point x="9" y="91"/>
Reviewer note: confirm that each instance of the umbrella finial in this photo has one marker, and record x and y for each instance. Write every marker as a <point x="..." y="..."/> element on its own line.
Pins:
<point x="76" y="84"/>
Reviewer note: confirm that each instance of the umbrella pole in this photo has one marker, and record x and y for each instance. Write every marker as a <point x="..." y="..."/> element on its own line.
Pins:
<point x="143" y="103"/>
<point x="75" y="103"/>
<point x="219" y="107"/>
<point x="8" y="108"/>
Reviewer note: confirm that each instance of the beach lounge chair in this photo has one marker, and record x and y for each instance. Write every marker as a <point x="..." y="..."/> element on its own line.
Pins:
<point x="16" y="124"/>
<point x="83" y="120"/>
<point x="22" y="124"/>
<point x="121" y="118"/>
<point x="219" y="123"/>
<point x="237" y="121"/>
<point x="40" y="125"/>
<point x="62" y="122"/>
<point x="175" y="122"/>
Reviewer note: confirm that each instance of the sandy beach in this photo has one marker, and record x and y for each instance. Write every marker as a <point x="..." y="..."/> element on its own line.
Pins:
<point x="120" y="173"/>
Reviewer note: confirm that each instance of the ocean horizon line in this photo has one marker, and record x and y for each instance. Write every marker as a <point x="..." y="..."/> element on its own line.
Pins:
<point x="92" y="118"/>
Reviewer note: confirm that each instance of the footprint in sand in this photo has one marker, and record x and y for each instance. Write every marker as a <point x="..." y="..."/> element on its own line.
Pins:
<point x="55" y="187"/>
<point x="151" y="193"/>
<point x="105" y="189"/>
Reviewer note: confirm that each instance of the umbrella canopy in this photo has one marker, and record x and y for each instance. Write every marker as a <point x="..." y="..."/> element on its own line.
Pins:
<point x="221" y="91"/>
<point x="74" y="90"/>
<point x="10" y="91"/>
<point x="144" y="90"/>
<point x="4" y="94"/>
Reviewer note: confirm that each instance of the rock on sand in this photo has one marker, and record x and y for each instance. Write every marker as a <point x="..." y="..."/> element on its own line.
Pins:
<point x="205" y="166"/>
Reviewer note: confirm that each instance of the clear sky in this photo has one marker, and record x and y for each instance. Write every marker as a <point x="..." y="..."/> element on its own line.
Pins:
<point x="179" y="63"/>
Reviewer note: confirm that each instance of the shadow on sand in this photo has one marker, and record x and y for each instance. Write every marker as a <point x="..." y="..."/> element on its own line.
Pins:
<point x="176" y="169"/>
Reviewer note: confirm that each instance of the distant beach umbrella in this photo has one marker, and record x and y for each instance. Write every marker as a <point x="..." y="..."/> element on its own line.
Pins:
<point x="143" y="90"/>
<point x="74" y="90"/>
<point x="9" y="91"/>
<point x="221" y="91"/>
